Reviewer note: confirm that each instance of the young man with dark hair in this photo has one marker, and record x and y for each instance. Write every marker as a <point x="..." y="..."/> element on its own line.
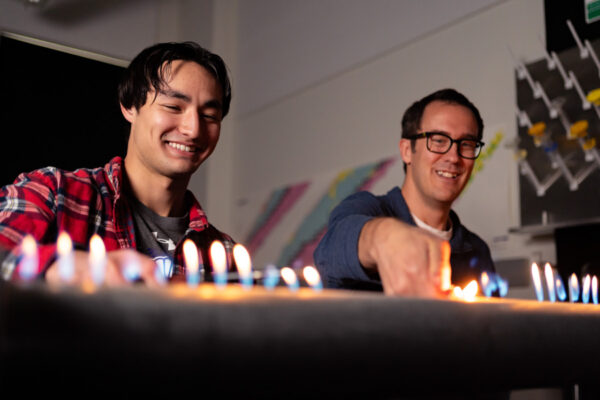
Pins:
<point x="395" y="242"/>
<point x="175" y="96"/>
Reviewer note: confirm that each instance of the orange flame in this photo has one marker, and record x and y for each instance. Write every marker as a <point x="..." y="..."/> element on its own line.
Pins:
<point x="242" y="260"/>
<point x="446" y="270"/>
<point x="97" y="249"/>
<point x="537" y="280"/>
<point x="289" y="276"/>
<point x="64" y="245"/>
<point x="28" y="246"/>
<point x="218" y="257"/>
<point x="470" y="291"/>
<point x="190" y="256"/>
<point x="311" y="275"/>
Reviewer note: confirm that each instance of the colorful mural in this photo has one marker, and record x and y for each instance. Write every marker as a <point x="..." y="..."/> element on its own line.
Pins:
<point x="304" y="241"/>
<point x="278" y="204"/>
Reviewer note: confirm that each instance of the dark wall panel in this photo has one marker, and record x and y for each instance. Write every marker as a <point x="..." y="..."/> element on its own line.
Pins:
<point x="56" y="109"/>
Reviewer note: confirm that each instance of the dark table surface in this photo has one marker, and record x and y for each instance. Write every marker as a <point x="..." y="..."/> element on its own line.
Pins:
<point x="281" y="344"/>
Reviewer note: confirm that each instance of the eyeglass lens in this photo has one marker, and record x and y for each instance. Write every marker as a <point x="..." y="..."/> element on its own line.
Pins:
<point x="440" y="143"/>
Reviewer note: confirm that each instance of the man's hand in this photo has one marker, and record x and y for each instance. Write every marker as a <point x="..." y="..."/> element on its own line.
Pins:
<point x="116" y="262"/>
<point x="410" y="261"/>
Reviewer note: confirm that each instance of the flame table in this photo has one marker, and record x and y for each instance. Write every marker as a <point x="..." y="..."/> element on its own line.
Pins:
<point x="284" y="344"/>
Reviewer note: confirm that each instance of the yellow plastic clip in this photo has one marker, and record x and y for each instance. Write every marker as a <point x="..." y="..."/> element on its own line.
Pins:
<point x="594" y="97"/>
<point x="537" y="129"/>
<point x="579" y="129"/>
<point x="589" y="144"/>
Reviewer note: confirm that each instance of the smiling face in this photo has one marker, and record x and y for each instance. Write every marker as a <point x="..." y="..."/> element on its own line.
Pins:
<point x="436" y="180"/>
<point x="177" y="128"/>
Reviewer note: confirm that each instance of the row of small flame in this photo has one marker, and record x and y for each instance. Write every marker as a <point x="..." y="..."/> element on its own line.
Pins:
<point x="28" y="265"/>
<point x="28" y="268"/>
<point x="490" y="283"/>
<point x="556" y="288"/>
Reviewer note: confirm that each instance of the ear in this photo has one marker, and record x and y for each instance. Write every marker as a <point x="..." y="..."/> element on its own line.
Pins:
<point x="128" y="113"/>
<point x="405" y="150"/>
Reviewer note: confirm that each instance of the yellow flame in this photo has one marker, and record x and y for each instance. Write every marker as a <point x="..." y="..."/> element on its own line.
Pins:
<point x="289" y="276"/>
<point x="242" y="260"/>
<point x="485" y="279"/>
<point x="549" y="277"/>
<point x="446" y="270"/>
<point x="535" y="273"/>
<point x="64" y="245"/>
<point x="311" y="275"/>
<point x="573" y="282"/>
<point x="190" y="256"/>
<point x="586" y="285"/>
<point x="28" y="246"/>
<point x="470" y="291"/>
<point x="97" y="249"/>
<point x="457" y="292"/>
<point x="218" y="257"/>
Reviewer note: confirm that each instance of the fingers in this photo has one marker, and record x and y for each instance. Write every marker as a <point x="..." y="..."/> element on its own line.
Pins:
<point x="414" y="263"/>
<point x="148" y="273"/>
<point x="123" y="267"/>
<point x="445" y="269"/>
<point x="129" y="266"/>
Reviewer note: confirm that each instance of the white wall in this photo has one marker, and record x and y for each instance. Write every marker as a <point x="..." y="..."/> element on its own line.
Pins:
<point x="320" y="86"/>
<point x="118" y="29"/>
<point x="353" y="117"/>
<point x="287" y="46"/>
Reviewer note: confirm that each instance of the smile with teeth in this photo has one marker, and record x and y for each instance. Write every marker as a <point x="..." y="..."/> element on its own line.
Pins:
<point x="182" y="147"/>
<point x="446" y="174"/>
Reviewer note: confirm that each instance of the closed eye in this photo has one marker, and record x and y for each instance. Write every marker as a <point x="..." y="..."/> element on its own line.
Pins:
<point x="212" y="117"/>
<point x="172" y="107"/>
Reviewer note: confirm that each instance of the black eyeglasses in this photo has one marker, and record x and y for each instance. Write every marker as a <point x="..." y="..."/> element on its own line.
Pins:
<point x="441" y="143"/>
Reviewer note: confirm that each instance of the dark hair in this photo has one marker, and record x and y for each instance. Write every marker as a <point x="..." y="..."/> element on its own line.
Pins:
<point x="148" y="69"/>
<point x="411" y="121"/>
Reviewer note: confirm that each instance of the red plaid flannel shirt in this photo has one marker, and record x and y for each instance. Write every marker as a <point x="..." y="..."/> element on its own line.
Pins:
<point x="47" y="201"/>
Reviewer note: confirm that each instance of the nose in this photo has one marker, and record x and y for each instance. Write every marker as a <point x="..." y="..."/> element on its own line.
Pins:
<point x="190" y="124"/>
<point x="452" y="154"/>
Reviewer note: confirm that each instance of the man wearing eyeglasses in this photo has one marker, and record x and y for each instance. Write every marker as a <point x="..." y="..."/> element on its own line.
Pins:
<point x="398" y="242"/>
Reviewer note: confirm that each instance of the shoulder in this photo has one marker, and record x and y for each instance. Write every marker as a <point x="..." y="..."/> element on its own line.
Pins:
<point x="52" y="181"/>
<point x="465" y="238"/>
<point x="368" y="198"/>
<point x="205" y="237"/>
<point x="368" y="204"/>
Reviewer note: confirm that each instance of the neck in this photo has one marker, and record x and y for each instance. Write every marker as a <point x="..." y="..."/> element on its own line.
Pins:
<point x="434" y="213"/>
<point x="163" y="195"/>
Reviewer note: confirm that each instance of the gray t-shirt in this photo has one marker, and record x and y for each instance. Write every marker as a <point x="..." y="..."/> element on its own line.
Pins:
<point x="157" y="236"/>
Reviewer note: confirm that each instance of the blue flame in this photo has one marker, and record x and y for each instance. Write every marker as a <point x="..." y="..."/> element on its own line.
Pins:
<point x="495" y="284"/>
<point x="271" y="277"/>
<point x="192" y="278"/>
<point x="574" y="290"/>
<point x="220" y="279"/>
<point x="491" y="286"/>
<point x="585" y="292"/>
<point x="585" y="297"/>
<point x="537" y="283"/>
<point x="560" y="288"/>
<point x="550" y="285"/>
<point x="132" y="270"/>
<point x="502" y="286"/>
